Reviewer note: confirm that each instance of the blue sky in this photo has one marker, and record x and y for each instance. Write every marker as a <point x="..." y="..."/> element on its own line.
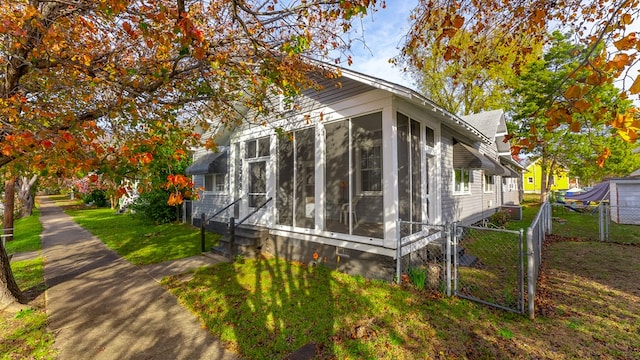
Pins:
<point x="383" y="33"/>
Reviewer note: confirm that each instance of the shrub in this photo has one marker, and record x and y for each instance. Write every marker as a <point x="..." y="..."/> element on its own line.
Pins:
<point x="97" y="198"/>
<point x="152" y="206"/>
<point x="500" y="218"/>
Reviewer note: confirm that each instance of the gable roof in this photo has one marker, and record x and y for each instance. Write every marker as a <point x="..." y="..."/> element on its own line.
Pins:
<point x="493" y="125"/>
<point x="448" y="119"/>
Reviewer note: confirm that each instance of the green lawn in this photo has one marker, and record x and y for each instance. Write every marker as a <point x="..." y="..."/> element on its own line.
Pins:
<point x="26" y="234"/>
<point x="589" y="304"/>
<point x="141" y="242"/>
<point x="25" y="335"/>
<point x="266" y="309"/>
<point x="585" y="226"/>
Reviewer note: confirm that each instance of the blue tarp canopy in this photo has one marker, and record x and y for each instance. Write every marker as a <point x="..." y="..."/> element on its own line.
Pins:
<point x="598" y="193"/>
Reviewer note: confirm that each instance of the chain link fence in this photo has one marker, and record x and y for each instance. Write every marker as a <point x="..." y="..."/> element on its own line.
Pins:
<point x="421" y="256"/>
<point x="620" y="224"/>
<point x="489" y="266"/>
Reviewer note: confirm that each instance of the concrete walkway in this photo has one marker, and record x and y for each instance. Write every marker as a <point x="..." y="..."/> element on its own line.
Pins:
<point x="100" y="306"/>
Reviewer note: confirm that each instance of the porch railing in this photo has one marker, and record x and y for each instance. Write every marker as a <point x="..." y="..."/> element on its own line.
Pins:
<point x="233" y="225"/>
<point x="204" y="220"/>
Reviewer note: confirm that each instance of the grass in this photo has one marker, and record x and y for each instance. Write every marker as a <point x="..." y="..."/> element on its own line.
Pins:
<point x="25" y="335"/>
<point x="589" y="306"/>
<point x="140" y="242"/>
<point x="265" y="308"/>
<point x="585" y="226"/>
<point x="26" y="234"/>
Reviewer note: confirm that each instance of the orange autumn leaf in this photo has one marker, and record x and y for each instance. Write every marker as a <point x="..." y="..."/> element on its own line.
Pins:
<point x="582" y="105"/>
<point x="635" y="88"/>
<point x="575" y="126"/>
<point x="626" y="42"/>
<point x="603" y="157"/>
<point x="573" y="92"/>
<point x="458" y="21"/>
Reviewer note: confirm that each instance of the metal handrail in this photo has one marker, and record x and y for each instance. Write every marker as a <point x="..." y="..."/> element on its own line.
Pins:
<point x="253" y="212"/>
<point x="223" y="209"/>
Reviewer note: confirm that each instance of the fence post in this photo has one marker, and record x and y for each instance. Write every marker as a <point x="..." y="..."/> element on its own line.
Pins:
<point x="531" y="278"/>
<point x="398" y="252"/>
<point x="601" y="221"/>
<point x="454" y="237"/>
<point x="202" y="220"/>
<point x="232" y="236"/>
<point x="521" y="277"/>
<point x="447" y="230"/>
<point x="549" y="218"/>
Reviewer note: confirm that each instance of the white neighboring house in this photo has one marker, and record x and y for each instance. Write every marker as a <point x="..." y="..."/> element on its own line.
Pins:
<point x="359" y="155"/>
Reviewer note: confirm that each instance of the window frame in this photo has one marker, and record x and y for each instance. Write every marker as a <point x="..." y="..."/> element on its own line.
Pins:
<point x="216" y="180"/>
<point x="377" y="143"/>
<point x="489" y="183"/>
<point x="462" y="187"/>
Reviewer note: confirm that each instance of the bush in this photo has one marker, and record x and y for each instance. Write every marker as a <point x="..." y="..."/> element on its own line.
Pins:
<point x="152" y="206"/>
<point x="97" y="198"/>
<point x="500" y="218"/>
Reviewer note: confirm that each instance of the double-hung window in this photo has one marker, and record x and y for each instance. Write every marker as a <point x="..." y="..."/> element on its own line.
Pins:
<point x="371" y="169"/>
<point x="214" y="183"/>
<point x="461" y="181"/>
<point x="488" y="183"/>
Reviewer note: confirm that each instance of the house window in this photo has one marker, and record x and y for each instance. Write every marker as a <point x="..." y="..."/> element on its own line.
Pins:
<point x="257" y="183"/>
<point x="371" y="169"/>
<point x="214" y="183"/>
<point x="430" y="137"/>
<point x="257" y="148"/>
<point x="530" y="180"/>
<point x="461" y="181"/>
<point x="488" y="183"/>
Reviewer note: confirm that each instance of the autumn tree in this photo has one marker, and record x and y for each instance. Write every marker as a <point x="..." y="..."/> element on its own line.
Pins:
<point x="582" y="135"/>
<point x="603" y="27"/>
<point x="84" y="83"/>
<point x="462" y="71"/>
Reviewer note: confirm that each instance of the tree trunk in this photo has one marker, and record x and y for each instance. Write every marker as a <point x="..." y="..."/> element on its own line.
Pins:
<point x="10" y="295"/>
<point x="25" y="195"/>
<point x="9" y="204"/>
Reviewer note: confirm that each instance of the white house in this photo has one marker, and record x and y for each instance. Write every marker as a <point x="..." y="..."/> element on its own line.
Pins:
<point x="357" y="157"/>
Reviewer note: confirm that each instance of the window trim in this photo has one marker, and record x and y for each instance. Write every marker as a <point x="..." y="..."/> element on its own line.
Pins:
<point x="489" y="184"/>
<point x="214" y="184"/>
<point x="358" y="170"/>
<point x="465" y="186"/>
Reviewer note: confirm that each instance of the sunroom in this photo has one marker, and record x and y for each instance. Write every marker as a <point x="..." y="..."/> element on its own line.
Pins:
<point x="345" y="180"/>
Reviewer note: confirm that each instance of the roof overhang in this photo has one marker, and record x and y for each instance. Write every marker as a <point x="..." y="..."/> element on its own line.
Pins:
<point x="210" y="163"/>
<point x="464" y="156"/>
<point x="498" y="169"/>
<point x="451" y="120"/>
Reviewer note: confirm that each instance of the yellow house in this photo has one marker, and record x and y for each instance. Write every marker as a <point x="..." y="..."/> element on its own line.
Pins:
<point x="532" y="182"/>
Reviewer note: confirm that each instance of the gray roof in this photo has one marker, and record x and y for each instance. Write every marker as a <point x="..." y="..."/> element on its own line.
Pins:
<point x="492" y="125"/>
<point x="210" y="163"/>
<point x="449" y="119"/>
<point x="489" y="123"/>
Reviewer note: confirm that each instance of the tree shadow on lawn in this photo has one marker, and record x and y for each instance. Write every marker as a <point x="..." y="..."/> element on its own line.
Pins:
<point x="269" y="308"/>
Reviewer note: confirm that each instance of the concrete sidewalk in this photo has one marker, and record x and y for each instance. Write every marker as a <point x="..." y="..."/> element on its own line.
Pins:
<point x="100" y="306"/>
